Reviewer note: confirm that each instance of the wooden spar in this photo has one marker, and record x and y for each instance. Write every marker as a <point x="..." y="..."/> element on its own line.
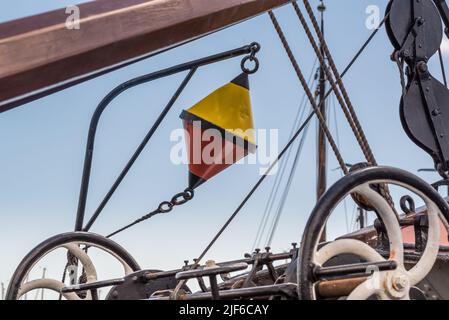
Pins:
<point x="39" y="55"/>
<point x="322" y="146"/>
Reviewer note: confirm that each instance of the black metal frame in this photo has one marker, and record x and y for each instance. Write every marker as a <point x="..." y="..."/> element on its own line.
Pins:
<point x="191" y="66"/>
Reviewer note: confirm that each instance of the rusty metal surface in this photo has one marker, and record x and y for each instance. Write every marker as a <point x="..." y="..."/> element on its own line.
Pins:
<point x="338" y="288"/>
<point x="369" y="234"/>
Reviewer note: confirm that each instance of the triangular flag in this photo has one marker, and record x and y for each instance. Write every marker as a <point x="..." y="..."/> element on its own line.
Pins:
<point x="227" y="111"/>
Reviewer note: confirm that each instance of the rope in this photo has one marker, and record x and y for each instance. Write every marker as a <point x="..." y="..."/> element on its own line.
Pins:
<point x="359" y="53"/>
<point x="315" y="107"/>
<point x="337" y="137"/>
<point x="309" y="94"/>
<point x="346" y="69"/>
<point x="286" y="191"/>
<point x="400" y="65"/>
<point x="365" y="44"/>
<point x="344" y="101"/>
<point x="245" y="200"/>
<point x="443" y="71"/>
<point x="272" y="197"/>
<point x="352" y="116"/>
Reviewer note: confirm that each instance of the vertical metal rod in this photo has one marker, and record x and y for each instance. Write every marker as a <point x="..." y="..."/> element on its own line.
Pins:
<point x="3" y="291"/>
<point x="361" y="218"/>
<point x="214" y="288"/>
<point x="26" y="280"/>
<point x="140" y="148"/>
<point x="43" y="277"/>
<point x="322" y="146"/>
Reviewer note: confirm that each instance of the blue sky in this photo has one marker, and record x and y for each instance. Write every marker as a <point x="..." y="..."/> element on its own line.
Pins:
<point x="42" y="143"/>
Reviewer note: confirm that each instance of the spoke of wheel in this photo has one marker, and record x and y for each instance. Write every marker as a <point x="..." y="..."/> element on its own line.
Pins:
<point x="49" y="284"/>
<point x="347" y="246"/>
<point x="429" y="256"/>
<point x="389" y="219"/>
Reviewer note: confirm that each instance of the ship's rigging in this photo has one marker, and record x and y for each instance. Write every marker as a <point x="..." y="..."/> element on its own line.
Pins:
<point x="309" y="275"/>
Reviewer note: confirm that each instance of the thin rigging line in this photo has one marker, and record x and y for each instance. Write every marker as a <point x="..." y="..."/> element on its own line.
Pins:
<point x="284" y="163"/>
<point x="315" y="106"/>
<point x="256" y="186"/>
<point x="331" y="71"/>
<point x="181" y="283"/>
<point x="337" y="138"/>
<point x="287" y="188"/>
<point x="443" y="71"/>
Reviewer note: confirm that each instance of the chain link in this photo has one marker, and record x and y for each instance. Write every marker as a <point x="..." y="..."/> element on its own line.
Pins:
<point x="164" y="207"/>
<point x="255" y="47"/>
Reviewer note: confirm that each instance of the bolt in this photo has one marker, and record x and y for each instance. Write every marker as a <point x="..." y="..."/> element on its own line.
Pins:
<point x="294" y="245"/>
<point x="267" y="249"/>
<point x="436" y="112"/>
<point x="115" y="294"/>
<point x="186" y="263"/>
<point x="257" y="250"/>
<point x="400" y="283"/>
<point x="422" y="67"/>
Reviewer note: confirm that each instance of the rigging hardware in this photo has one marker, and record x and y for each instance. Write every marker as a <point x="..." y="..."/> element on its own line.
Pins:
<point x="415" y="30"/>
<point x="189" y="66"/>
<point x="370" y="184"/>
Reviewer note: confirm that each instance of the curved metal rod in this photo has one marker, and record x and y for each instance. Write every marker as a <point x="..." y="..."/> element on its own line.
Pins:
<point x="139" y="149"/>
<point x="116" y="92"/>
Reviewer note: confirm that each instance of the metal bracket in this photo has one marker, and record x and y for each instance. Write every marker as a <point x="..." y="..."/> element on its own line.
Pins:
<point x="434" y="112"/>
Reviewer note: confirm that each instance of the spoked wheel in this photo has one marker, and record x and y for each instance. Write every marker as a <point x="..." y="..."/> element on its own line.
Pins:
<point x="390" y="284"/>
<point x="77" y="245"/>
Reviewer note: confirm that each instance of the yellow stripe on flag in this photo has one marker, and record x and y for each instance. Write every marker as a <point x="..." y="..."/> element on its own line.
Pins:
<point x="229" y="108"/>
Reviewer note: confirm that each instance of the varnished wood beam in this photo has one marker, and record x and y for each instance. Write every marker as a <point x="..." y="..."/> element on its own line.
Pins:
<point x="39" y="52"/>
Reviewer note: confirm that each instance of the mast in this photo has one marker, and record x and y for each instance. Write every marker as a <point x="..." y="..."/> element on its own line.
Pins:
<point x="321" y="143"/>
